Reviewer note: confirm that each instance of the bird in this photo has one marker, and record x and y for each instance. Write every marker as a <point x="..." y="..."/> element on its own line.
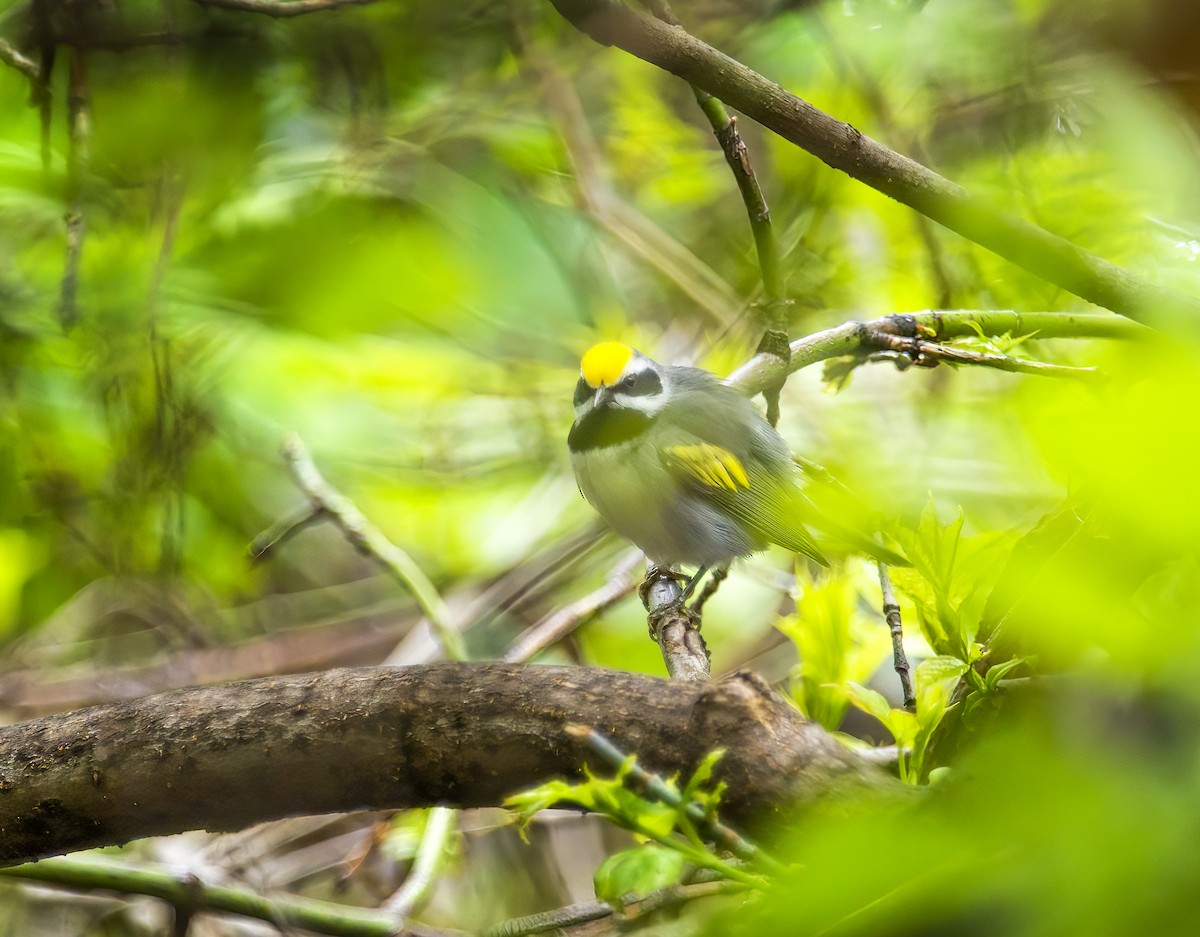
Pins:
<point x="683" y="465"/>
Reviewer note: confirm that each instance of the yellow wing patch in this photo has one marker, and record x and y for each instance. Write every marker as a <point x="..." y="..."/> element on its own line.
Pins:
<point x="712" y="465"/>
<point x="603" y="363"/>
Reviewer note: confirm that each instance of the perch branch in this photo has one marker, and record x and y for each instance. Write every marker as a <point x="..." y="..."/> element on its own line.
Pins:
<point x="674" y="627"/>
<point x="843" y="147"/>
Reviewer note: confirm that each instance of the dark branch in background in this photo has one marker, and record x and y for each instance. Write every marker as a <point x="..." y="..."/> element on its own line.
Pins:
<point x="891" y="615"/>
<point x="843" y="147"/>
<point x="44" y="39"/>
<point x="225" y="757"/>
<point x="281" y="10"/>
<point x="737" y="156"/>
<point x="78" y="142"/>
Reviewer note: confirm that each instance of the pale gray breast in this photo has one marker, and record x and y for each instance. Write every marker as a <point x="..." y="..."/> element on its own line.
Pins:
<point x="631" y="489"/>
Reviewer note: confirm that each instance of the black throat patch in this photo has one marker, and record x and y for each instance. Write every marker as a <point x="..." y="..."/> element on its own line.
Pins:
<point x="607" y="426"/>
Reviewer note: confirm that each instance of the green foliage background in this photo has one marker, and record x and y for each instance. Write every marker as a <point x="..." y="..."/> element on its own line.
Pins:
<point x="393" y="228"/>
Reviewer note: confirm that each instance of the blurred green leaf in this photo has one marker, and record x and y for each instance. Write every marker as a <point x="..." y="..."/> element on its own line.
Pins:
<point x="634" y="873"/>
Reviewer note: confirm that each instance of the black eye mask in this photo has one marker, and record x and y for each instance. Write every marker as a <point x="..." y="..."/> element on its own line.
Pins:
<point x="641" y="384"/>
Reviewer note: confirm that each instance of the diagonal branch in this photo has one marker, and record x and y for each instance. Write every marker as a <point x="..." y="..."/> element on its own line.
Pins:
<point x="13" y="58"/>
<point x="326" y="501"/>
<point x="843" y="147"/>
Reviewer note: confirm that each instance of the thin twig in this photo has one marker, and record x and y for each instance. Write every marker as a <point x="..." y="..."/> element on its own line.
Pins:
<point x="556" y="920"/>
<point x="262" y="546"/>
<point x="409" y="898"/>
<point x="585" y="913"/>
<point x="367" y="539"/>
<point x="737" y="156"/>
<point x="557" y="625"/>
<point x="708" y="825"/>
<point x="322" y="917"/>
<point x="891" y="614"/>
<point x="921" y="352"/>
<point x="853" y="338"/>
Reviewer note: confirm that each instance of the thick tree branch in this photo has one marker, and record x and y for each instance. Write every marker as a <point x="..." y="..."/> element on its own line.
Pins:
<point x="468" y="735"/>
<point x="841" y="146"/>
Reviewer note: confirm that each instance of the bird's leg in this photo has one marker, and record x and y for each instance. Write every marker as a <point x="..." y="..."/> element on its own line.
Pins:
<point x="693" y="582"/>
<point x="710" y="588"/>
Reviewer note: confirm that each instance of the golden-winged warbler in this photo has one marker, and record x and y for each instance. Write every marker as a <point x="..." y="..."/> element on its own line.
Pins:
<point x="685" y="466"/>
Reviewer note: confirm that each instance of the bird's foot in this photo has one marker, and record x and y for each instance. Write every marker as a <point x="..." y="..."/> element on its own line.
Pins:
<point x="673" y="611"/>
<point x="661" y="577"/>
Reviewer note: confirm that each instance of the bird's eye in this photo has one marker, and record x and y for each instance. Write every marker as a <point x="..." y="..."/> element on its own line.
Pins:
<point x="642" y="384"/>
<point x="582" y="391"/>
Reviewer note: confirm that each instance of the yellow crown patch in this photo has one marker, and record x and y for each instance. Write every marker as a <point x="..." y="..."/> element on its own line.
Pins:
<point x="603" y="363"/>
